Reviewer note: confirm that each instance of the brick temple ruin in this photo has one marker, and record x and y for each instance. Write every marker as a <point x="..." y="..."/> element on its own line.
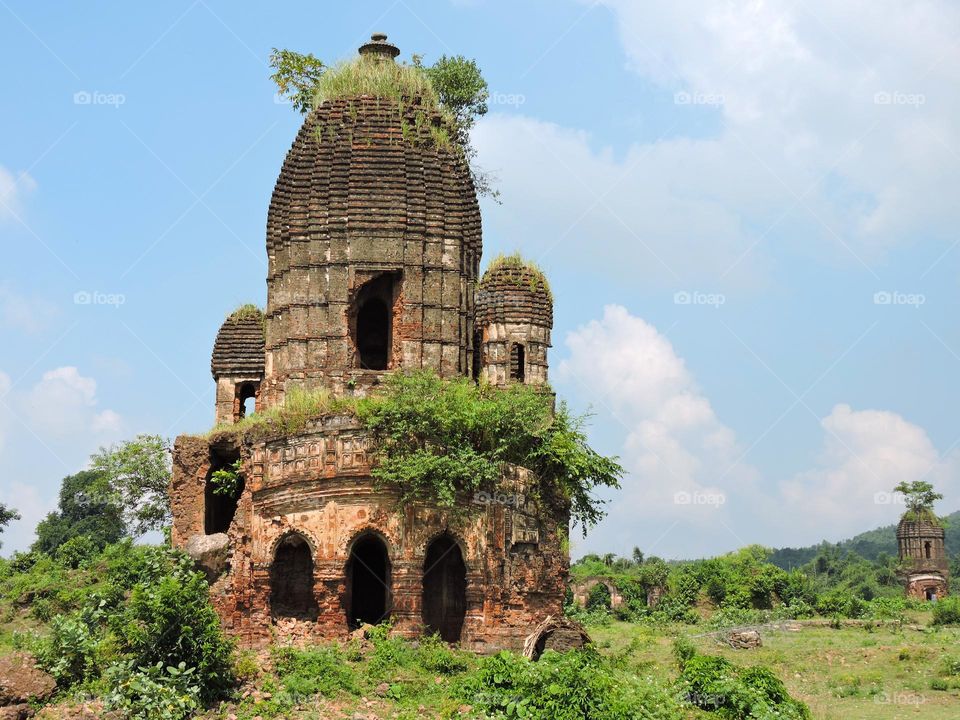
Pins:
<point x="374" y="243"/>
<point x="924" y="566"/>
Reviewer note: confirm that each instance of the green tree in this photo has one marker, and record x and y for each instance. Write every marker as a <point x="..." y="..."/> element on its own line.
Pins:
<point x="6" y="515"/>
<point x="137" y="473"/>
<point x="920" y="497"/>
<point x="458" y="82"/>
<point x="296" y="76"/>
<point x="86" y="507"/>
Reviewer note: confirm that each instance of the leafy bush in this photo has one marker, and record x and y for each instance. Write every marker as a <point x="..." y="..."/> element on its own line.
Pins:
<point x="598" y="598"/>
<point x="433" y="655"/>
<point x="76" y="551"/>
<point x="317" y="670"/>
<point x="947" y="611"/>
<point x="151" y="608"/>
<point x="442" y="438"/>
<point x="717" y="685"/>
<point x="576" y="685"/>
<point x="152" y="693"/>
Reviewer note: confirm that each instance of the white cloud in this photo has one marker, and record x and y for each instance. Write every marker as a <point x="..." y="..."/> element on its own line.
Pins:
<point x="865" y="454"/>
<point x="64" y="402"/>
<point x="28" y="314"/>
<point x="690" y="490"/>
<point x="838" y="132"/>
<point x="805" y="89"/>
<point x="12" y="190"/>
<point x="47" y="431"/>
<point x="681" y="460"/>
<point x="656" y="210"/>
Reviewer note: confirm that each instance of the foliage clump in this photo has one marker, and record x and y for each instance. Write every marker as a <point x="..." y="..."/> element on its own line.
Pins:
<point x="920" y="498"/>
<point x="440" y="439"/>
<point x="717" y="685"/>
<point x="246" y="311"/>
<point x="453" y="86"/>
<point x="946" y="611"/>
<point x="528" y="272"/>
<point x="145" y="636"/>
<point x="299" y="408"/>
<point x="570" y="686"/>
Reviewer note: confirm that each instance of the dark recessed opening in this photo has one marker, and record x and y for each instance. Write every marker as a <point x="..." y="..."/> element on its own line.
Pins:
<point x="518" y="362"/>
<point x="926" y="550"/>
<point x="477" y="339"/>
<point x="291" y="580"/>
<point x="368" y="582"/>
<point x="444" y="589"/>
<point x="372" y="324"/>
<point x="219" y="508"/>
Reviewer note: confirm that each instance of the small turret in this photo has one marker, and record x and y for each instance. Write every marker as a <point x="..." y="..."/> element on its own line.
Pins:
<point x="923" y="555"/>
<point x="514" y="320"/>
<point x="237" y="363"/>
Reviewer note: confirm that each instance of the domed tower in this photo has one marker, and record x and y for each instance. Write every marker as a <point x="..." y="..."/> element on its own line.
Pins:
<point x="514" y="320"/>
<point x="923" y="556"/>
<point x="237" y="363"/>
<point x="373" y="241"/>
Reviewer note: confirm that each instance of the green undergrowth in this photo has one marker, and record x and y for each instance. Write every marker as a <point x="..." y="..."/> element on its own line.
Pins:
<point x="438" y="440"/>
<point x="409" y="86"/>
<point x="245" y="312"/>
<point x="536" y="278"/>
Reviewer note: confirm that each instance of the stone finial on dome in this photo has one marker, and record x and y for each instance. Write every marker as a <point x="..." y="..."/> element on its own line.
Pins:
<point x="379" y="48"/>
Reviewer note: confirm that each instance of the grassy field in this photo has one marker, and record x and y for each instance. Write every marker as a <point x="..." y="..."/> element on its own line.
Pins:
<point x="850" y="673"/>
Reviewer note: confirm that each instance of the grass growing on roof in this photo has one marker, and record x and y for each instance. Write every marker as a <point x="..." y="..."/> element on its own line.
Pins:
<point x="438" y="438"/>
<point x="298" y="409"/>
<point x="246" y="311"/>
<point x="535" y="276"/>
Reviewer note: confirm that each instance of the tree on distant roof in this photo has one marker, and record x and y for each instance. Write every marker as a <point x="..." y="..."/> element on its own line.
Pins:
<point x="920" y="498"/>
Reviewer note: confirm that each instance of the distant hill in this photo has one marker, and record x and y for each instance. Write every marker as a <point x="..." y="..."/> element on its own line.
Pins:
<point x="868" y="544"/>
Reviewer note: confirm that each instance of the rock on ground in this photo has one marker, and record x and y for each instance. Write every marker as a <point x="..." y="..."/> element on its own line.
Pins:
<point x="21" y="680"/>
<point x="744" y="639"/>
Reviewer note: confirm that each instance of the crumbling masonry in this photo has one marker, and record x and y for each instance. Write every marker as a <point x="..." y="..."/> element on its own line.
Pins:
<point x="374" y="244"/>
<point x="924" y="566"/>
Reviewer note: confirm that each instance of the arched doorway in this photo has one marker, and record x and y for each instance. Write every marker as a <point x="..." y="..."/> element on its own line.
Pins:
<point x="368" y="582"/>
<point x="372" y="321"/>
<point x="291" y="580"/>
<point x="444" y="589"/>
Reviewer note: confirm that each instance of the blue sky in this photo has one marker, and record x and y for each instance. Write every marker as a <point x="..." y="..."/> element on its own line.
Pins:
<point x="747" y="211"/>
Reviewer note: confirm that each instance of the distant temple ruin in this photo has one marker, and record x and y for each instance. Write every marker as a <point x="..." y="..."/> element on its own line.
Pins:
<point x="924" y="566"/>
<point x="374" y="242"/>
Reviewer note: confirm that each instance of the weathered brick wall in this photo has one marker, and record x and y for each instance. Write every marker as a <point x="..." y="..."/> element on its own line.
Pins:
<point x="363" y="191"/>
<point x="922" y="573"/>
<point x="318" y="485"/>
